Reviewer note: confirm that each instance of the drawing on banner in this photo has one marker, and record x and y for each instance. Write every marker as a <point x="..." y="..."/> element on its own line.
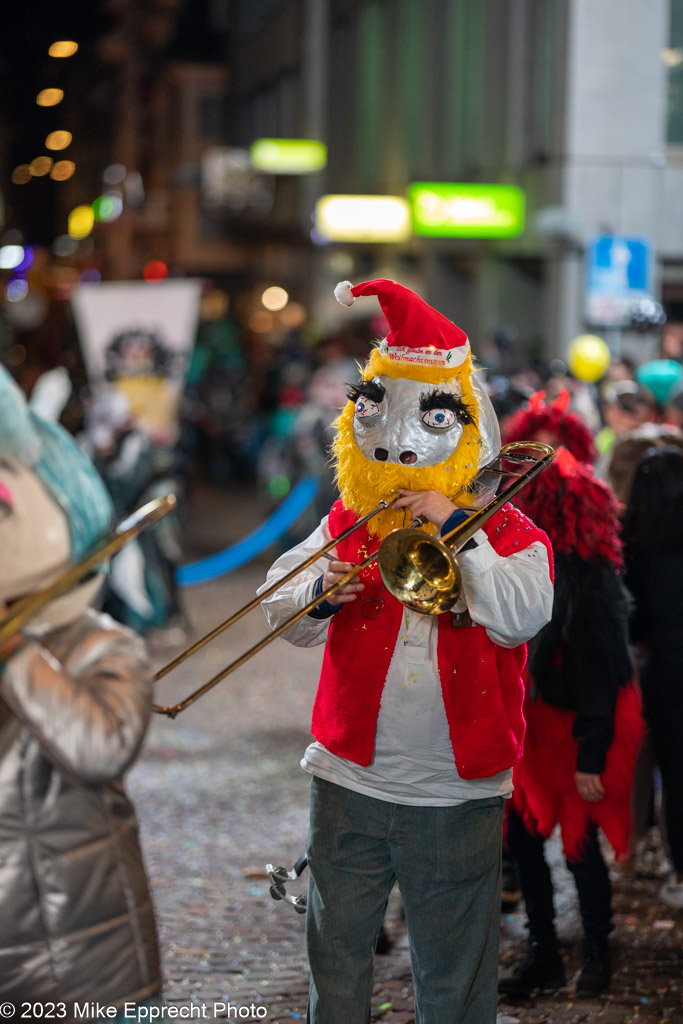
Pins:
<point x="140" y="363"/>
<point x="137" y="338"/>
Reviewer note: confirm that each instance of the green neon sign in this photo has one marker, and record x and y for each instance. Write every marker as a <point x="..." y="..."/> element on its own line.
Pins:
<point x="445" y="210"/>
<point x="288" y="156"/>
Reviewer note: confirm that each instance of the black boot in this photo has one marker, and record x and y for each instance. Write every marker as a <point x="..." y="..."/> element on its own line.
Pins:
<point x="384" y="943"/>
<point x="541" y="970"/>
<point x="595" y="972"/>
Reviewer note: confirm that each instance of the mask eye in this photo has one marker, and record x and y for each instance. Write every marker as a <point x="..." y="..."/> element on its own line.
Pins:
<point x="366" y="408"/>
<point x="439" y="418"/>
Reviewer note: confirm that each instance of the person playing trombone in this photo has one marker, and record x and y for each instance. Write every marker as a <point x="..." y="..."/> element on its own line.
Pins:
<point x="417" y="720"/>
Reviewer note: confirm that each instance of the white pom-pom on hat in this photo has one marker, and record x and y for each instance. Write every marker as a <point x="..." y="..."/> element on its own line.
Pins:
<point x="343" y="293"/>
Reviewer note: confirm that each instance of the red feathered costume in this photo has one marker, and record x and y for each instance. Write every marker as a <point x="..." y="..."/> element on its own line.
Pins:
<point x="582" y="711"/>
<point x="562" y="428"/>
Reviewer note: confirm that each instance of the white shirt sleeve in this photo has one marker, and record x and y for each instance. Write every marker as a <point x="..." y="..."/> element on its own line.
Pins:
<point x="292" y="596"/>
<point x="512" y="596"/>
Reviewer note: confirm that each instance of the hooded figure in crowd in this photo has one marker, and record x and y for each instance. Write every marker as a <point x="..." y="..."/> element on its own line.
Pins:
<point x="417" y="720"/>
<point x="76" y="918"/>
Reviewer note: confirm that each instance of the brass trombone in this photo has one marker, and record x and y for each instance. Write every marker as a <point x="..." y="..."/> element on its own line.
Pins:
<point x="418" y="569"/>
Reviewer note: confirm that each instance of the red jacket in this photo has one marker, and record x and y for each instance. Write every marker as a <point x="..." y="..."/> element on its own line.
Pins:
<point x="481" y="681"/>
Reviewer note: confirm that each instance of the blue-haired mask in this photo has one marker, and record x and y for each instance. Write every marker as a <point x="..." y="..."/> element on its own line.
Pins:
<point x="67" y="474"/>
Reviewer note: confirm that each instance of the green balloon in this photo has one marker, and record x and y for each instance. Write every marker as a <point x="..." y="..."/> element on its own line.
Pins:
<point x="660" y="376"/>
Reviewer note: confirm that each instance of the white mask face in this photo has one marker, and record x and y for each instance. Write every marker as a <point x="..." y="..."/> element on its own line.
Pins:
<point x="35" y="546"/>
<point x="398" y="420"/>
<point x="34" y="534"/>
<point x="403" y="421"/>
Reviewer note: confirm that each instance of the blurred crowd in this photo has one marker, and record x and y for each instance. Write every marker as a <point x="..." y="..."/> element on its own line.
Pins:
<point x="254" y="409"/>
<point x="258" y="409"/>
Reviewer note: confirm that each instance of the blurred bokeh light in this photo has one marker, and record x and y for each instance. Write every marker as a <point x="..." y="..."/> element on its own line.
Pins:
<point x="62" y="170"/>
<point x="21" y="174"/>
<point x="63" y="48"/>
<point x="155" y="270"/>
<point x="58" y="140"/>
<point x="49" y="97"/>
<point x="275" y="298"/>
<point x="40" y="166"/>
<point x="16" y="288"/>
<point x="107" y="208"/>
<point x="11" y="256"/>
<point x="114" y="174"/>
<point x="81" y="221"/>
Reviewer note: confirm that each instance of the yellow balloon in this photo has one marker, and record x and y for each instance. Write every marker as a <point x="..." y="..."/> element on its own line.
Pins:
<point x="588" y="357"/>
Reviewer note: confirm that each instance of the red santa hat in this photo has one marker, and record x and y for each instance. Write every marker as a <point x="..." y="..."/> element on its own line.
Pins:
<point x="418" y="333"/>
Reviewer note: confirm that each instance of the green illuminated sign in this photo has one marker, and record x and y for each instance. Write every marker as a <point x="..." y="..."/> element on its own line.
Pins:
<point x="288" y="156"/>
<point x="444" y="210"/>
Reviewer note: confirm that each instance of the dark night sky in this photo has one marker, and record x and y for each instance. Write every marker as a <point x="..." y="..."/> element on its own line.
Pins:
<point x="26" y="31"/>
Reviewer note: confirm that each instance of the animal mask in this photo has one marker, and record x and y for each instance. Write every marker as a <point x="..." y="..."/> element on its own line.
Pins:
<point x="419" y="419"/>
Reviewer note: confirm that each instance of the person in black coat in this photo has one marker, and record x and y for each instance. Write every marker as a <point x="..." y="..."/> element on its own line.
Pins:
<point x="653" y="544"/>
<point x="583" y="716"/>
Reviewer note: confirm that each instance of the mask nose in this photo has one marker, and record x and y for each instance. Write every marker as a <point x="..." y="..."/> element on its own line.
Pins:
<point x="381" y="454"/>
<point x="407" y="458"/>
<point x="6" y="500"/>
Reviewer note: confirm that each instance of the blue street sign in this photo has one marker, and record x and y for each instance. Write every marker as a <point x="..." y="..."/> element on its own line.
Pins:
<point x="619" y="272"/>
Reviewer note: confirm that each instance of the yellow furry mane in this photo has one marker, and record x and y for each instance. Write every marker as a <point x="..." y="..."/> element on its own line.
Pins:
<point x="363" y="483"/>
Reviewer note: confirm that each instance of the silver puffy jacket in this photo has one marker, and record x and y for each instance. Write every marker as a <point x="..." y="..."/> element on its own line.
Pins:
<point x="76" y="917"/>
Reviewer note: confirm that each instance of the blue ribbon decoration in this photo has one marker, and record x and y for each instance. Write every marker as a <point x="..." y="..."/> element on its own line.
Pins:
<point x="250" y="546"/>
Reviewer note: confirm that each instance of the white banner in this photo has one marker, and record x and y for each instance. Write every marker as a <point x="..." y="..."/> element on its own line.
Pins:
<point x="137" y="338"/>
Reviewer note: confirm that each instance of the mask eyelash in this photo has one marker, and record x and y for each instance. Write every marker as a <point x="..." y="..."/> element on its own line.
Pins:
<point x="371" y="389"/>
<point x="446" y="400"/>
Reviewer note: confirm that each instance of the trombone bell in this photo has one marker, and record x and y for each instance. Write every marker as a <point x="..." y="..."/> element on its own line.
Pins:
<point x="420" y="571"/>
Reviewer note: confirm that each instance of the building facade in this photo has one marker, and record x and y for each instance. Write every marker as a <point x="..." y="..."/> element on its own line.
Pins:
<point x="576" y="102"/>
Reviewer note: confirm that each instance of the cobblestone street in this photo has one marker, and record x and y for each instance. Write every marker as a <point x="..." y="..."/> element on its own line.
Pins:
<point x="219" y="793"/>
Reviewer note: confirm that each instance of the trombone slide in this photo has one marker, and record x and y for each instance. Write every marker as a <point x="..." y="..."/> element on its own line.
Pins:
<point x="418" y="569"/>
